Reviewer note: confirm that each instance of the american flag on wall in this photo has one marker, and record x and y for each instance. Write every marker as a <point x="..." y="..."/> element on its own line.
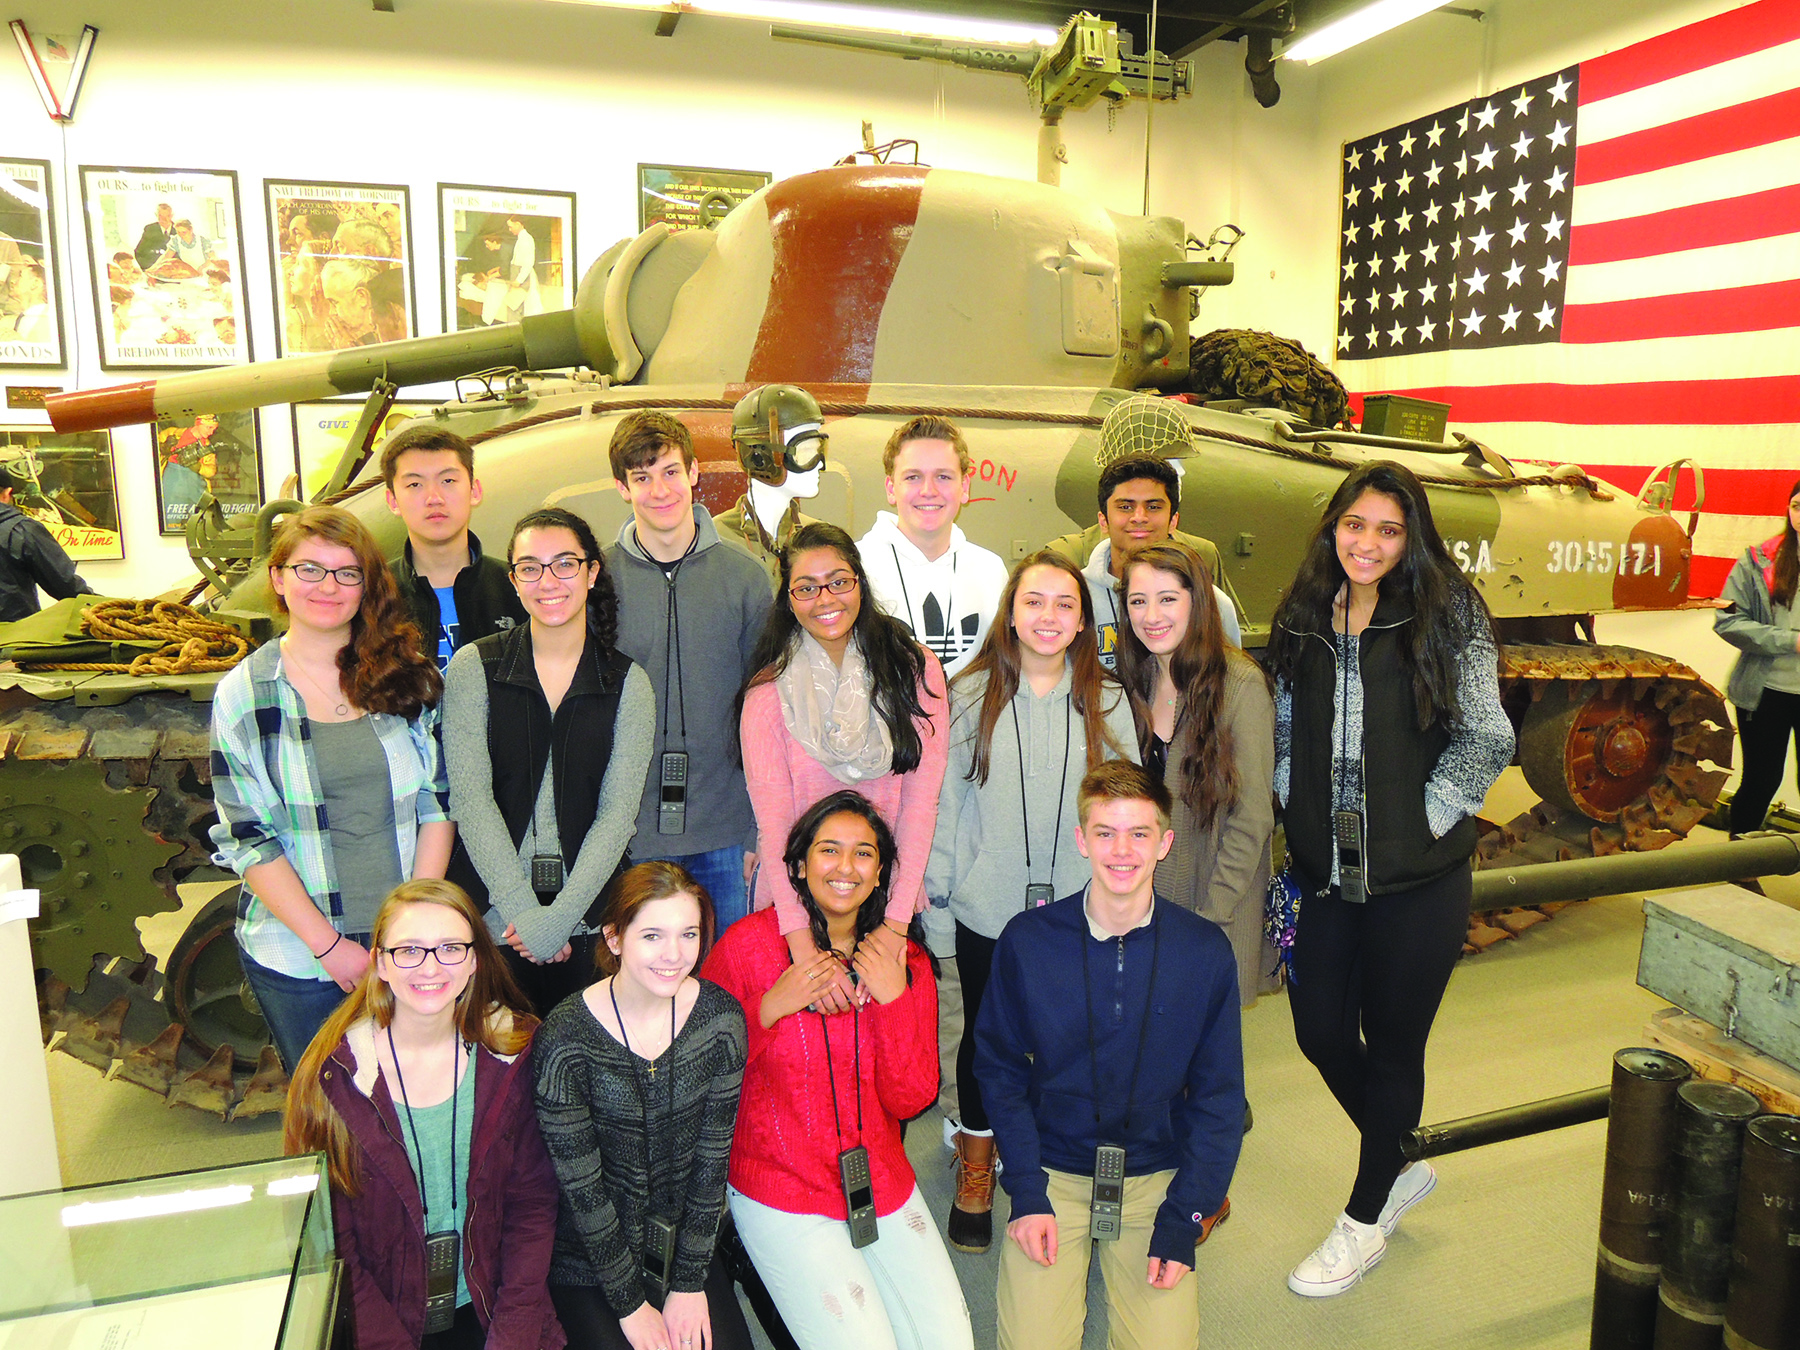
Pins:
<point x="1601" y="267"/>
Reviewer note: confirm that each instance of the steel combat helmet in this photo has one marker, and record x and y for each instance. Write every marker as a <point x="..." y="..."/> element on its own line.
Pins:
<point x="777" y="430"/>
<point x="1142" y="425"/>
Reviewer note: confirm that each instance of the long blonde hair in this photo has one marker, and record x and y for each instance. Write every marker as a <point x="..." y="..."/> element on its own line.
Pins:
<point x="312" y="1124"/>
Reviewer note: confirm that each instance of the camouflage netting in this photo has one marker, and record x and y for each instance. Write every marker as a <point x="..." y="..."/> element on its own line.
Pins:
<point x="1243" y="363"/>
<point x="1142" y="425"/>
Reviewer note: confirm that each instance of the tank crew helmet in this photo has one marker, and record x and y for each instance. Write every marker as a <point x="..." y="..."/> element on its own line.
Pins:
<point x="1142" y="425"/>
<point x="777" y="430"/>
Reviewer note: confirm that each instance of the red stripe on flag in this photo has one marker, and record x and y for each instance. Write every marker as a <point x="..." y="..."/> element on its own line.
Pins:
<point x="1767" y="398"/>
<point x="1729" y="492"/>
<point x="1733" y="220"/>
<point x="1721" y="38"/>
<point x="1738" y="309"/>
<point x="1761" y="121"/>
<point x="1706" y="576"/>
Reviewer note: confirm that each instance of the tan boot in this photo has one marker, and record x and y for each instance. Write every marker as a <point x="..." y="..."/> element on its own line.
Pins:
<point x="972" y="1214"/>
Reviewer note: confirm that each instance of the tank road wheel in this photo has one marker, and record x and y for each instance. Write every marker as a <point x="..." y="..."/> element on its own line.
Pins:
<point x="1615" y="741"/>
<point x="206" y="987"/>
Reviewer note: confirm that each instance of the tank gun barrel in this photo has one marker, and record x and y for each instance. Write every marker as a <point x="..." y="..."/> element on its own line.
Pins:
<point x="1511" y="1122"/>
<point x="1006" y="60"/>
<point x="538" y="342"/>
<point x="1758" y="855"/>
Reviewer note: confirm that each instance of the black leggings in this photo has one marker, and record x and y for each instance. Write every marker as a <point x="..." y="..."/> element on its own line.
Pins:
<point x="974" y="962"/>
<point x="1765" y="735"/>
<point x="1367" y="983"/>
<point x="549" y="984"/>
<point x="591" y="1323"/>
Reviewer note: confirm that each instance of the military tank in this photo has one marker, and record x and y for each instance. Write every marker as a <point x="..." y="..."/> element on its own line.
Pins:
<point x="1022" y="311"/>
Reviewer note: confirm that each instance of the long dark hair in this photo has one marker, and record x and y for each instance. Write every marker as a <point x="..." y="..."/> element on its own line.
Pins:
<point x="998" y="664"/>
<point x="848" y="802"/>
<point x="1198" y="667"/>
<point x="1787" y="558"/>
<point x="1447" y="612"/>
<point x="602" y="603"/>
<point x="896" y="662"/>
<point x="383" y="667"/>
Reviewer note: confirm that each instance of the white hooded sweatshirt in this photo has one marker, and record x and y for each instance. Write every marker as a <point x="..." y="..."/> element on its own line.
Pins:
<point x="948" y="603"/>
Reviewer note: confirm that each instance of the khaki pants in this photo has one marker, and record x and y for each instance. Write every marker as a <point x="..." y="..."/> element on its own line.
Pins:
<point x="1043" y="1307"/>
<point x="950" y="1033"/>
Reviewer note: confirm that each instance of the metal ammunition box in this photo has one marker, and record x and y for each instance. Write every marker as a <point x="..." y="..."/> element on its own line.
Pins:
<point x="1730" y="958"/>
<point x="1417" y="419"/>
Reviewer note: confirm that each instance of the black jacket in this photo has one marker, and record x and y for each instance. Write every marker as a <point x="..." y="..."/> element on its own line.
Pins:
<point x="30" y="558"/>
<point x="485" y="599"/>
<point x="1399" y="850"/>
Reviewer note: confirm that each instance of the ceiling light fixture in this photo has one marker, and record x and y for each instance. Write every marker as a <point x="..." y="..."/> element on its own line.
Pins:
<point x="1358" y="26"/>
<point x="827" y="15"/>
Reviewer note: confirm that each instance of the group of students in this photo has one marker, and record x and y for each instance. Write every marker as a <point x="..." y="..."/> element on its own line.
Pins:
<point x="756" y="883"/>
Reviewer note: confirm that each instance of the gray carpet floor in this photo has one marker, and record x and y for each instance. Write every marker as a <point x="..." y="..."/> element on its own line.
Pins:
<point x="1501" y="1256"/>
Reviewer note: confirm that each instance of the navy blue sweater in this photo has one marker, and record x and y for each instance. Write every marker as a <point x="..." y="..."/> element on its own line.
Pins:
<point x="1037" y="1076"/>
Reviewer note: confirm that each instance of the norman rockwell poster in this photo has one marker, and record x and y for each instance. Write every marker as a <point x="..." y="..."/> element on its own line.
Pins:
<point x="212" y="453"/>
<point x="166" y="248"/>
<point x="507" y="253"/>
<point x="30" y="283"/>
<point x="342" y="263"/>
<point x="321" y="430"/>
<point x="69" y="487"/>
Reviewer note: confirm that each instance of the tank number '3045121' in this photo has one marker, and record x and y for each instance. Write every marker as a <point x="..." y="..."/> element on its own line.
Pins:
<point x="1601" y="555"/>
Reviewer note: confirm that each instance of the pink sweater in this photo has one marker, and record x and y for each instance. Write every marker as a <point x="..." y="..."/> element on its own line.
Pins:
<point x="784" y="780"/>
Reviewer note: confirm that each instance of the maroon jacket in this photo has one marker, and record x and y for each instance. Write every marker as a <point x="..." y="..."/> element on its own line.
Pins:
<point x="510" y="1222"/>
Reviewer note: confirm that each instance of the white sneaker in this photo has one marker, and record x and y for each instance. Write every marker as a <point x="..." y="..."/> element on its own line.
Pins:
<point x="1351" y="1250"/>
<point x="1412" y="1185"/>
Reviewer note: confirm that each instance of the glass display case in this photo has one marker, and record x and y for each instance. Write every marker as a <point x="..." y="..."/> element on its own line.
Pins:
<point x="229" y="1257"/>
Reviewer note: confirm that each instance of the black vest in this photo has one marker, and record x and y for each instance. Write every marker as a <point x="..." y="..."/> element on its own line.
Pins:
<point x="522" y="736"/>
<point x="1397" y="758"/>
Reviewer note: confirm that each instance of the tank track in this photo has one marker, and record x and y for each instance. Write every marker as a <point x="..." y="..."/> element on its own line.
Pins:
<point x="1627" y="734"/>
<point x="108" y="808"/>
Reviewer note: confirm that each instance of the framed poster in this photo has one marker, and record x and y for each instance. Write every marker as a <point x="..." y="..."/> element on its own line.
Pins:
<point x="508" y="252"/>
<point x="167" y="254"/>
<point x="686" y="198"/>
<point x="70" y="487"/>
<point x="321" y="430"/>
<point x="212" y="452"/>
<point x="341" y="257"/>
<point x="30" y="282"/>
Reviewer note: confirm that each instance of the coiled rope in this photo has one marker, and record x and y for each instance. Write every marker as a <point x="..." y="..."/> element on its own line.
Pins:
<point x="192" y="644"/>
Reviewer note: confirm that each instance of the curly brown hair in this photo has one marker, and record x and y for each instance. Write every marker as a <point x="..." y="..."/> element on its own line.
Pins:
<point x="383" y="667"/>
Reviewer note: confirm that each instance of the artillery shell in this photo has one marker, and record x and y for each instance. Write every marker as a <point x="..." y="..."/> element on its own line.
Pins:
<point x="1634" y="1196"/>
<point x="1696" y="1267"/>
<point x="1762" y="1311"/>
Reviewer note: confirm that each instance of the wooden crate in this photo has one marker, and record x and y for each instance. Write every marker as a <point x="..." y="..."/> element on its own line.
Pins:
<point x="1731" y="958"/>
<point x="1718" y="1057"/>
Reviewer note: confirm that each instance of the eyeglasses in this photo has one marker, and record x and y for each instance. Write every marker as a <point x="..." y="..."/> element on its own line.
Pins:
<point x="409" y="956"/>
<point x="313" y="574"/>
<point x="841" y="584"/>
<point x="563" y="568"/>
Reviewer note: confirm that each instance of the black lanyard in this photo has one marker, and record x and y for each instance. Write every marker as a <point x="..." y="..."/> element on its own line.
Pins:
<point x="643" y="1104"/>
<point x="1062" y="785"/>
<point x="950" y="639"/>
<point x="831" y="1073"/>
<point x="672" y="646"/>
<point x="455" y="1091"/>
<point x="1087" y="990"/>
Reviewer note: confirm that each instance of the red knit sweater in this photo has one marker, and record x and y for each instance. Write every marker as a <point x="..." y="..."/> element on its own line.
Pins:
<point x="785" y="1152"/>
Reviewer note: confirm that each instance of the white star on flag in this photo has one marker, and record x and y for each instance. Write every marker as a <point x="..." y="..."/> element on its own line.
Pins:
<point x="1521" y="104"/>
<point x="1477" y="282"/>
<point x="1484" y="158"/>
<point x="1480" y="240"/>
<point x="1521" y="147"/>
<point x="1545" y="316"/>
<point x="1509" y="320"/>
<point x="1471" y="322"/>
<point x="1407" y="142"/>
<point x="1560" y="90"/>
<point x="1484" y="119"/>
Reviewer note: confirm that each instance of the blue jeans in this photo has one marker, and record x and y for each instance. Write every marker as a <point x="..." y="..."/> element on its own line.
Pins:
<point x="820" y="1282"/>
<point x="294" y="1008"/>
<point x="721" y="872"/>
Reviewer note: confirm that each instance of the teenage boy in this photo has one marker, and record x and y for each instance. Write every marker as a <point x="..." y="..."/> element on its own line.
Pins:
<point x="455" y="592"/>
<point x="1140" y="504"/>
<point x="1110" y="1023"/>
<point x="690" y="608"/>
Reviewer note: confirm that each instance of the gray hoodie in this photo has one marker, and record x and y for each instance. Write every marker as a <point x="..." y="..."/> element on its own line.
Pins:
<point x="715" y="607"/>
<point x="1109" y="606"/>
<point x="978" y="855"/>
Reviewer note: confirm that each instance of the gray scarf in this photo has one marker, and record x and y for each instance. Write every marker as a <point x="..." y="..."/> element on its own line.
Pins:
<point x="830" y="711"/>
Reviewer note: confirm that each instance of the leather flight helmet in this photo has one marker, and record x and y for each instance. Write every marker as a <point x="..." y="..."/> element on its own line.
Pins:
<point x="778" y="429"/>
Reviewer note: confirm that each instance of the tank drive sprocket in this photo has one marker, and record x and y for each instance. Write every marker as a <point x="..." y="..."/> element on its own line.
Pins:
<point x="1616" y="742"/>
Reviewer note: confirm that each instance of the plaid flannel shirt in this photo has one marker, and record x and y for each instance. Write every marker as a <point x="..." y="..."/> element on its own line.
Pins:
<point x="266" y="787"/>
